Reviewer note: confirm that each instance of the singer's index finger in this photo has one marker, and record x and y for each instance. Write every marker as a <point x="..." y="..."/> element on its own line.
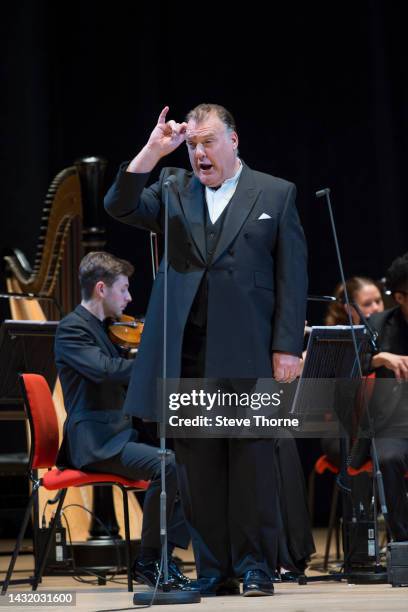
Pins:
<point x="162" y="116"/>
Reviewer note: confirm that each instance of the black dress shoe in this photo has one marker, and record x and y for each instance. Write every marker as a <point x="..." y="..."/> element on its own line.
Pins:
<point x="216" y="586"/>
<point x="257" y="583"/>
<point x="148" y="572"/>
<point x="177" y="574"/>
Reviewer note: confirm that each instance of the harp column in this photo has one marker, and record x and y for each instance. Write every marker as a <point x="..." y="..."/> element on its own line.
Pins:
<point x="91" y="172"/>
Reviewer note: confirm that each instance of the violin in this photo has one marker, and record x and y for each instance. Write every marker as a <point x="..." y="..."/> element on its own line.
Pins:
<point x="126" y="333"/>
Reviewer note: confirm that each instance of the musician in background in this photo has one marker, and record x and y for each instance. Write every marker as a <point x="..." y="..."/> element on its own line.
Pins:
<point x="98" y="436"/>
<point x="363" y="292"/>
<point x="391" y="415"/>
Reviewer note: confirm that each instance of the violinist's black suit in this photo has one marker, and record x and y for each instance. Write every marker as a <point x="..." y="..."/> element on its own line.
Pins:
<point x="98" y="436"/>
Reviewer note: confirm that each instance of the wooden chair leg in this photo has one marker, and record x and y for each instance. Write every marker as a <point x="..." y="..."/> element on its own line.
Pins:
<point x="20" y="537"/>
<point x="337" y="536"/>
<point x="332" y="521"/>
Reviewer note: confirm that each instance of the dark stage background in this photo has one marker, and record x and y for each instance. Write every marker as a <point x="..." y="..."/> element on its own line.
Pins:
<point x="318" y="90"/>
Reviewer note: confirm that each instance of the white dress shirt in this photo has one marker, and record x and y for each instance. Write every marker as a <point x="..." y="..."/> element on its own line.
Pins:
<point x="217" y="199"/>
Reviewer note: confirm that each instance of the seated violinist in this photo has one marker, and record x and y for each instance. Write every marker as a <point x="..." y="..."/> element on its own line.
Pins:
<point x="389" y="403"/>
<point x="97" y="435"/>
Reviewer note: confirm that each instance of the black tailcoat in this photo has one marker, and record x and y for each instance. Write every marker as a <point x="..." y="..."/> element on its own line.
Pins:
<point x="257" y="277"/>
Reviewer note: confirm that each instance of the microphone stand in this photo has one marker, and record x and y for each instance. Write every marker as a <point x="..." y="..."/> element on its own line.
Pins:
<point x="374" y="454"/>
<point x="167" y="595"/>
<point x="379" y="576"/>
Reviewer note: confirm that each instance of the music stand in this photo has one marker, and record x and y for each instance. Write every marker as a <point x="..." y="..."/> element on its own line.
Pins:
<point x="331" y="354"/>
<point x="25" y="346"/>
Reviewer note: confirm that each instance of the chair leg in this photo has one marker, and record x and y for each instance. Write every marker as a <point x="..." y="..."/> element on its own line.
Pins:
<point x="337" y="535"/>
<point x="332" y="520"/>
<point x="20" y="537"/>
<point x="41" y="565"/>
<point x="127" y="539"/>
<point x="36" y="524"/>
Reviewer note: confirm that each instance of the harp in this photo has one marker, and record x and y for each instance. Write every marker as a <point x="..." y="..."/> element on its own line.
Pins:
<point x="72" y="202"/>
<point x="71" y="226"/>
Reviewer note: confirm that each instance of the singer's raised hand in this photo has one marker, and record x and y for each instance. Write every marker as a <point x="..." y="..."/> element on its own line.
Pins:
<point x="165" y="138"/>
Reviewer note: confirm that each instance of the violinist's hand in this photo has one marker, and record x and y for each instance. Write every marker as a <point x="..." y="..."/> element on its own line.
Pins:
<point x="397" y="363"/>
<point x="286" y="367"/>
<point x="164" y="139"/>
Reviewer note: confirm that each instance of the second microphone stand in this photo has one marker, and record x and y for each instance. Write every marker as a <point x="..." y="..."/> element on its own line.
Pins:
<point x="379" y="575"/>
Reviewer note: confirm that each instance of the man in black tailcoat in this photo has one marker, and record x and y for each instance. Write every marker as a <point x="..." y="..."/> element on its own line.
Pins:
<point x="237" y="286"/>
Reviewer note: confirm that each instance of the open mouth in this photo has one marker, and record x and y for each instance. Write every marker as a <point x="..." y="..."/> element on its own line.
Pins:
<point x="205" y="167"/>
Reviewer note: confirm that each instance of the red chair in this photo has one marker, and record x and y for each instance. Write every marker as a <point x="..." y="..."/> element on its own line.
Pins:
<point x="42" y="418"/>
<point x="366" y="467"/>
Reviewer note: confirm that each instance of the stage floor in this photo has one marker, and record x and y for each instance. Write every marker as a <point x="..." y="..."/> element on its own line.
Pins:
<point x="313" y="597"/>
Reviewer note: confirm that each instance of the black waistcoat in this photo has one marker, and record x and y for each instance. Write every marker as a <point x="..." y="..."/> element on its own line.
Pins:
<point x="198" y="312"/>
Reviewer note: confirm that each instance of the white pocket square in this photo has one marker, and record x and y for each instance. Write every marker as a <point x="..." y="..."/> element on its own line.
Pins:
<point x="264" y="216"/>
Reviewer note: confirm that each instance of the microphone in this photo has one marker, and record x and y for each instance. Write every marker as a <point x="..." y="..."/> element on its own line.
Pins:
<point x="170" y="180"/>
<point x="321" y="298"/>
<point x="322" y="192"/>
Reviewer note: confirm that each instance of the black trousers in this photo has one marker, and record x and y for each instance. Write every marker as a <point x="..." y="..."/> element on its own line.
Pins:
<point x="229" y="491"/>
<point x="139" y="461"/>
<point x="228" y="488"/>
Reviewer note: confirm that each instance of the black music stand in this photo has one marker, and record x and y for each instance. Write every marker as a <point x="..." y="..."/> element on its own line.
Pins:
<point x="331" y="354"/>
<point x="25" y="346"/>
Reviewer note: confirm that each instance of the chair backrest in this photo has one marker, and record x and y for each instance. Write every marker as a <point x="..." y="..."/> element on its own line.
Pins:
<point x="40" y="411"/>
